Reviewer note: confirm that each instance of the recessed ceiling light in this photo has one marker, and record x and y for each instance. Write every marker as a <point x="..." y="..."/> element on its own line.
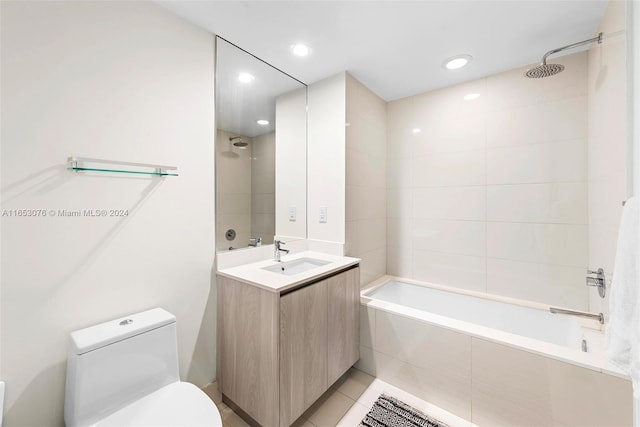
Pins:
<point x="300" y="49"/>
<point x="457" y="62"/>
<point x="416" y="130"/>
<point x="246" y="77"/>
<point x="471" y="96"/>
<point x="262" y="122"/>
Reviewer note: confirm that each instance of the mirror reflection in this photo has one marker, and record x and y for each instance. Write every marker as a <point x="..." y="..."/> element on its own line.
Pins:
<point x="247" y="140"/>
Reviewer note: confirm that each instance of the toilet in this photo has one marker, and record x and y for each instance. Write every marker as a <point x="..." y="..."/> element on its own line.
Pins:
<point x="125" y="373"/>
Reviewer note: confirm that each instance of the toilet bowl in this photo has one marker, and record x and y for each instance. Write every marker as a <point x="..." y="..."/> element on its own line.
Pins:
<point x="125" y="373"/>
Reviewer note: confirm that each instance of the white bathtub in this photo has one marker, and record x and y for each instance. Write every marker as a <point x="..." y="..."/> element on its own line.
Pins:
<point x="492" y="361"/>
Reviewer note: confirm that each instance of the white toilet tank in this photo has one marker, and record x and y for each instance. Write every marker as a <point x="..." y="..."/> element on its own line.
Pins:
<point x="117" y="362"/>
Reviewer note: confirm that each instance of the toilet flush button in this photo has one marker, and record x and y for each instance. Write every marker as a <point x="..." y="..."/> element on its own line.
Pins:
<point x="126" y="322"/>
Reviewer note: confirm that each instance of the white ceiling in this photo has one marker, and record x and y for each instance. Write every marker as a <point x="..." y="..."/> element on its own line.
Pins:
<point x="239" y="105"/>
<point x="396" y="48"/>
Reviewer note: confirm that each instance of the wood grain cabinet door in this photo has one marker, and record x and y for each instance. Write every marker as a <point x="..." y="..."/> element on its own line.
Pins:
<point x="303" y="350"/>
<point x="343" y="330"/>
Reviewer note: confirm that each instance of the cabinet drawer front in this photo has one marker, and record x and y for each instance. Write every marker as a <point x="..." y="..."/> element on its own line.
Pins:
<point x="303" y="350"/>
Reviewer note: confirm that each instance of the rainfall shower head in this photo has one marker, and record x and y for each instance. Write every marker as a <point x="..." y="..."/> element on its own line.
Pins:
<point x="237" y="141"/>
<point x="546" y="70"/>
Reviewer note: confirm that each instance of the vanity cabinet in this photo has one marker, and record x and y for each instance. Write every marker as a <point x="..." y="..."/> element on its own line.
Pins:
<point x="280" y="351"/>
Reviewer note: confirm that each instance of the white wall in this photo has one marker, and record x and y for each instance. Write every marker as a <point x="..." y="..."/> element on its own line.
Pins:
<point x="291" y="164"/>
<point x="366" y="206"/>
<point x="491" y="194"/>
<point x="326" y="158"/>
<point x="608" y="149"/>
<point x="634" y="78"/>
<point x="233" y="191"/>
<point x="114" y="80"/>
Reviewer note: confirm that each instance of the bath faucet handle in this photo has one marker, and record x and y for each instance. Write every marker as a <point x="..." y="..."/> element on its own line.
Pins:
<point x="599" y="281"/>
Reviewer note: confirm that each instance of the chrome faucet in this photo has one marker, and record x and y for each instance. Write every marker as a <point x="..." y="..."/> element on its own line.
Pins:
<point x="598" y="281"/>
<point x="277" y="250"/>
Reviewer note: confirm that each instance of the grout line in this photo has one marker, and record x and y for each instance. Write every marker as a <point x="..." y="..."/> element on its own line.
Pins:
<point x="486" y="205"/>
<point x="501" y="221"/>
<point x="496" y="184"/>
<point x="498" y="258"/>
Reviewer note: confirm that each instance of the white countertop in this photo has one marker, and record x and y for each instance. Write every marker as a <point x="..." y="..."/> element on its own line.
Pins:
<point x="254" y="274"/>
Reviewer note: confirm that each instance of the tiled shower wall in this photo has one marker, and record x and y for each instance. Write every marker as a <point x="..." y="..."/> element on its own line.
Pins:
<point x="608" y="152"/>
<point x="245" y="190"/>
<point x="365" y="210"/>
<point x="490" y="194"/>
<point x="263" y="187"/>
<point x="233" y="191"/>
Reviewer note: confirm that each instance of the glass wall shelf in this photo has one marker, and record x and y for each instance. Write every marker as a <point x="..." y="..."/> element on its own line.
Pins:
<point x="79" y="164"/>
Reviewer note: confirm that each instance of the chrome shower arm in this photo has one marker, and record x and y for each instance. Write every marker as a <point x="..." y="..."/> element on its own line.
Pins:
<point x="598" y="38"/>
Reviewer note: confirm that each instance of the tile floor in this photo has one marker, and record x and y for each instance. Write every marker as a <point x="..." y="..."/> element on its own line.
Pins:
<point x="345" y="404"/>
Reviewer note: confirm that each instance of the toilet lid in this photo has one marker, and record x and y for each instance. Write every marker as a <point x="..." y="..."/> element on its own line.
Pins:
<point x="177" y="404"/>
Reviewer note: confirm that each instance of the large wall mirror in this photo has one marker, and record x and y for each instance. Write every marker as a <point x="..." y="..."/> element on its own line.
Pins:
<point x="260" y="151"/>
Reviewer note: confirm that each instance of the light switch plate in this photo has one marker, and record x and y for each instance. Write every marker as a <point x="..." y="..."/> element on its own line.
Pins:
<point x="292" y="213"/>
<point x="323" y="214"/>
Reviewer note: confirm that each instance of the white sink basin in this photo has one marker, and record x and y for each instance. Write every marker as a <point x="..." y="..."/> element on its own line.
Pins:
<point x="296" y="266"/>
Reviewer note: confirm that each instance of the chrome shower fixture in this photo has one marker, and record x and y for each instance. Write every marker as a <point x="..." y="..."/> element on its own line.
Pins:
<point x="546" y="70"/>
<point x="237" y="141"/>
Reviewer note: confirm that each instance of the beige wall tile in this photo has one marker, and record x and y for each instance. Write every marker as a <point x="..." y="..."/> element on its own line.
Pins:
<point x="461" y="271"/>
<point x="399" y="261"/>
<point x="513" y="387"/>
<point x="517" y="154"/>
<point x="458" y="203"/>
<point x="399" y="174"/>
<point x="367" y="362"/>
<point x="546" y="283"/>
<point x="373" y="265"/>
<point x="367" y="326"/>
<point x="449" y="169"/>
<point x="456" y="237"/>
<point x="562" y="244"/>
<point x="542" y="203"/>
<point x="607" y="144"/>
<point x="445" y="391"/>
<point x="559" y="161"/>
<point x="399" y="203"/>
<point x="399" y="232"/>
<point x="366" y="179"/>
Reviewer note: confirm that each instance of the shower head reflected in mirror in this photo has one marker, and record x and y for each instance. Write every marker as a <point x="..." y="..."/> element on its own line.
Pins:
<point x="230" y="154"/>
<point x="237" y="141"/>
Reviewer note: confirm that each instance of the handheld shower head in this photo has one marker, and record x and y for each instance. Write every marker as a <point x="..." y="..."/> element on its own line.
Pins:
<point x="546" y="70"/>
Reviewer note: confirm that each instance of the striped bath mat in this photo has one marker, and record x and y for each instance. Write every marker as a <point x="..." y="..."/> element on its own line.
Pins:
<point x="388" y="411"/>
